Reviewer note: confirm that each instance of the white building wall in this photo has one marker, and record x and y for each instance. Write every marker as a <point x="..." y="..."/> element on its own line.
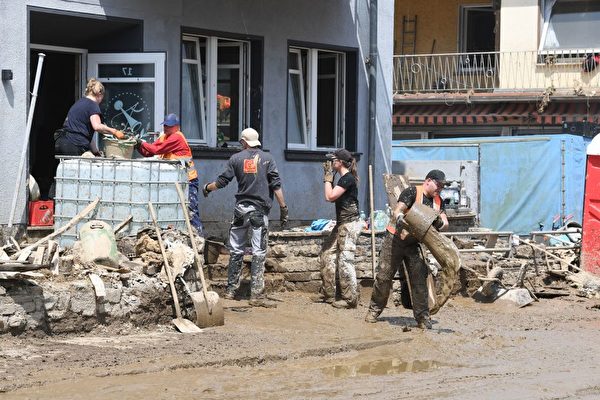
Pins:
<point x="339" y="23"/>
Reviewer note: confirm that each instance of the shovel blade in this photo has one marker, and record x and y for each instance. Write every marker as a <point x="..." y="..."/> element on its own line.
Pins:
<point x="209" y="310"/>
<point x="185" y="326"/>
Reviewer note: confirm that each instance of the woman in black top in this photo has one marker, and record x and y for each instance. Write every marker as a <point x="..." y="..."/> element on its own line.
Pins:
<point x="339" y="247"/>
<point x="83" y="119"/>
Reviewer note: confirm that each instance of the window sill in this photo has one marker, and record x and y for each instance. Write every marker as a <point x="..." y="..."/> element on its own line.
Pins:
<point x="311" y="155"/>
<point x="214" y="153"/>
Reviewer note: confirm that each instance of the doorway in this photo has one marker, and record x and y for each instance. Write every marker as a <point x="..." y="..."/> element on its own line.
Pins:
<point x="477" y="29"/>
<point x="58" y="90"/>
<point x="66" y="39"/>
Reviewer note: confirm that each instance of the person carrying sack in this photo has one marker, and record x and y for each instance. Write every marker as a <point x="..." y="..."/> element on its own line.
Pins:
<point x="401" y="252"/>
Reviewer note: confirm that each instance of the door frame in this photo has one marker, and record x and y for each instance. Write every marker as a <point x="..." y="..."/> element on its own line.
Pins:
<point x="158" y="58"/>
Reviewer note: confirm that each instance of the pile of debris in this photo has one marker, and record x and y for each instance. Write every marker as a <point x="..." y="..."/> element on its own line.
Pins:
<point x="53" y="290"/>
<point x="523" y="270"/>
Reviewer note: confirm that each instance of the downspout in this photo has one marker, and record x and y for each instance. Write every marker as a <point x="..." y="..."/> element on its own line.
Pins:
<point x="372" y="63"/>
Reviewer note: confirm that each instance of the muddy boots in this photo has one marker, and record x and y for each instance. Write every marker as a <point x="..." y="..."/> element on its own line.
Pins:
<point x="371" y="316"/>
<point x="424" y="323"/>
<point x="234" y="272"/>
<point x="257" y="285"/>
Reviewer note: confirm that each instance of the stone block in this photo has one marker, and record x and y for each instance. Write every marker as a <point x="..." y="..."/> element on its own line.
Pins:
<point x="273" y="265"/>
<point x="2" y="290"/>
<point x="278" y="251"/>
<point x="312" y="250"/>
<point x="300" y="265"/>
<point x="302" y="276"/>
<point x="7" y="308"/>
<point x="309" y="287"/>
<point x="56" y="315"/>
<point x="83" y="301"/>
<point x="113" y="295"/>
<point x="50" y="300"/>
<point x="17" y="321"/>
<point x="26" y="302"/>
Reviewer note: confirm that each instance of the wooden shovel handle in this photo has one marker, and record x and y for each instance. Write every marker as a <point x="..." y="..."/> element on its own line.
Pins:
<point x="194" y="246"/>
<point x="165" y="260"/>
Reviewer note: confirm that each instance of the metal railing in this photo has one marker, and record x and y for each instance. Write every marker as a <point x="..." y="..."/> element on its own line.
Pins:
<point x="495" y="71"/>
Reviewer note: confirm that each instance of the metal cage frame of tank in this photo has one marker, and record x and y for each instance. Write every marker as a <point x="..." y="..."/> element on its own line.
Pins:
<point x="125" y="186"/>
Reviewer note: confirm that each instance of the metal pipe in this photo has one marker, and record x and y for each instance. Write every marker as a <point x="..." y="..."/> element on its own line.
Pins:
<point x="38" y="74"/>
<point x="372" y="64"/>
<point x="563" y="206"/>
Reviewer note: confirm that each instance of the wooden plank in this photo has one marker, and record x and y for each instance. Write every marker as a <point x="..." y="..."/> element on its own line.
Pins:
<point x="38" y="256"/>
<point x="52" y="247"/>
<point x="17" y="267"/>
<point x="99" y="288"/>
<point x="123" y="224"/>
<point x="55" y="261"/>
<point x="25" y="253"/>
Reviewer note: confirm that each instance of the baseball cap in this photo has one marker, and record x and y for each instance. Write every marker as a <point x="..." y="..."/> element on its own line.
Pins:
<point x="437" y="176"/>
<point x="171" y="120"/>
<point x="250" y="136"/>
<point x="340" y="154"/>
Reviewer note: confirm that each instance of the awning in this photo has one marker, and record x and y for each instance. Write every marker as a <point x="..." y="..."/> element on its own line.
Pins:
<point x="495" y="114"/>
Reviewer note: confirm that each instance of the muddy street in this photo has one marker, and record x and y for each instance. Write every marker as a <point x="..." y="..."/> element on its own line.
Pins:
<point x="548" y="350"/>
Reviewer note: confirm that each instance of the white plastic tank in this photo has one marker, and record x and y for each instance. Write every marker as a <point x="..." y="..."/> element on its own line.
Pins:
<point x="124" y="188"/>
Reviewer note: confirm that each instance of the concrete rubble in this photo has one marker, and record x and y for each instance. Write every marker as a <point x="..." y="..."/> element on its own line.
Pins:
<point x="67" y="295"/>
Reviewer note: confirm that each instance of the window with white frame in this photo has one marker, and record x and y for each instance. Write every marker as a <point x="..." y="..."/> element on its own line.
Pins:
<point x="316" y="99"/>
<point x="570" y="24"/>
<point x="215" y="104"/>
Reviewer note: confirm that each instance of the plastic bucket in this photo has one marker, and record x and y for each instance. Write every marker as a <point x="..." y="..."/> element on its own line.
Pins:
<point x="118" y="148"/>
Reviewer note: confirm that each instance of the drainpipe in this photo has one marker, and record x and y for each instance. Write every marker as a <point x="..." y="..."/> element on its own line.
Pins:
<point x="372" y="63"/>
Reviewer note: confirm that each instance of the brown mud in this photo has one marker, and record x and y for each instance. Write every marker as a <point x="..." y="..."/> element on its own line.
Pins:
<point x="548" y="350"/>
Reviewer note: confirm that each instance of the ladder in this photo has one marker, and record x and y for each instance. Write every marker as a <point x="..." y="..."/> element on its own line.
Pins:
<point x="409" y="35"/>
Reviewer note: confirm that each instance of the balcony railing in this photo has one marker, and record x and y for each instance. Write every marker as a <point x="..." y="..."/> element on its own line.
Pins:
<point x="494" y="71"/>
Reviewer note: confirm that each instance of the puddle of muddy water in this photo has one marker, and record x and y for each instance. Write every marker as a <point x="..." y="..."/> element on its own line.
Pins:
<point x="381" y="367"/>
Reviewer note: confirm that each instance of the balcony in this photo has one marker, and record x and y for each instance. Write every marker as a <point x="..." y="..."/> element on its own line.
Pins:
<point x="496" y="73"/>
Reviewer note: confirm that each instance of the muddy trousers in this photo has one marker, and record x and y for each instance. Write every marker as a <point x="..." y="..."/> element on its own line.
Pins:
<point x="394" y="252"/>
<point x="337" y="254"/>
<point x="248" y="223"/>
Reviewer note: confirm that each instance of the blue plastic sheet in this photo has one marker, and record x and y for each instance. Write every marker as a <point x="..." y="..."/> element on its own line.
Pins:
<point x="521" y="183"/>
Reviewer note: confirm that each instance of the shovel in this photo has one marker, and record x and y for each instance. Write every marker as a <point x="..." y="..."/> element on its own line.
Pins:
<point x="183" y="325"/>
<point x="208" y="305"/>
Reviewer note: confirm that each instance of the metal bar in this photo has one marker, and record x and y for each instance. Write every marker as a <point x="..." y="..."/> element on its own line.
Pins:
<point x="537" y="233"/>
<point x="492" y="250"/>
<point x="500" y="233"/>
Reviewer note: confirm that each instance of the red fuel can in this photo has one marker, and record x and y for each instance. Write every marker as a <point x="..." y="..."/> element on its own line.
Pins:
<point x="41" y="213"/>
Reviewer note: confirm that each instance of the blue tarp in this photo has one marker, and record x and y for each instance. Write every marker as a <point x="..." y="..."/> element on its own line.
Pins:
<point x="520" y="176"/>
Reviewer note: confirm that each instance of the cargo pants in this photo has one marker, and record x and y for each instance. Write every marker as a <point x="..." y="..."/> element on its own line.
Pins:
<point x="338" y="255"/>
<point x="248" y="223"/>
<point x="414" y="294"/>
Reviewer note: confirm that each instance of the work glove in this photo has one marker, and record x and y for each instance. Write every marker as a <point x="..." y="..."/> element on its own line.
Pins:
<point x="205" y="190"/>
<point x="328" y="172"/>
<point x="438" y="223"/>
<point x="119" y="135"/>
<point x="283" y="216"/>
<point x="400" y="221"/>
<point x="138" y="142"/>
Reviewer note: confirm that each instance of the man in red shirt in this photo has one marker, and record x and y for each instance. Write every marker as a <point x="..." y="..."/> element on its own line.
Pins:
<point x="172" y="145"/>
